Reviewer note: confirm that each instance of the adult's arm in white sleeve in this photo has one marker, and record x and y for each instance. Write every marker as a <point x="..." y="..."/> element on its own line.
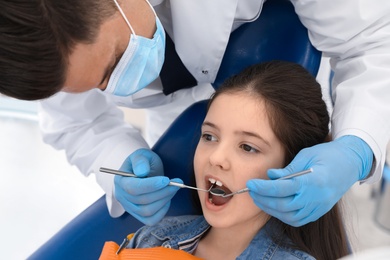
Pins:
<point x="92" y="131"/>
<point x="355" y="34"/>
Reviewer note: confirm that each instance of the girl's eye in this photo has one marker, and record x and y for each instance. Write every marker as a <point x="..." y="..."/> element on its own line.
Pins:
<point x="209" y="137"/>
<point x="248" y="148"/>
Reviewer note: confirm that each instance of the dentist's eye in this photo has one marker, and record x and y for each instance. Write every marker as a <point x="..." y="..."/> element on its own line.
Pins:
<point x="209" y="138"/>
<point x="248" y="148"/>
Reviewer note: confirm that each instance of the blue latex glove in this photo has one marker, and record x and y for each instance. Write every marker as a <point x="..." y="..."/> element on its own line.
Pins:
<point x="147" y="199"/>
<point x="336" y="167"/>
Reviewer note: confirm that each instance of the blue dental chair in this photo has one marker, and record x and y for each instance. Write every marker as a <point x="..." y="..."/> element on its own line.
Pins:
<point x="276" y="34"/>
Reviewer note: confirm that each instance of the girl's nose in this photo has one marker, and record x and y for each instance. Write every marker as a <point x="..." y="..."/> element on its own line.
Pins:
<point x="220" y="157"/>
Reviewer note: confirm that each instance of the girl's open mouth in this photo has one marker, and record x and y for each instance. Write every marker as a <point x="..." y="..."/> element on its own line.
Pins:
<point x="218" y="200"/>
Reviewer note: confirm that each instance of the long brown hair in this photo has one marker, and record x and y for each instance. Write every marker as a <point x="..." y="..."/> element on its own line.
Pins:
<point x="299" y="118"/>
<point x="36" y="39"/>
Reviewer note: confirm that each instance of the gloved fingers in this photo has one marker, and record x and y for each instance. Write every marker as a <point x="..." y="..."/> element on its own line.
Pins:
<point x="146" y="163"/>
<point x="139" y="162"/>
<point x="166" y="193"/>
<point x="335" y="170"/>
<point x="141" y="166"/>
<point x="143" y="162"/>
<point x="298" y="217"/>
<point x="155" y="218"/>
<point x="127" y="165"/>
<point x="281" y="204"/>
<point x="274" y="188"/>
<point x="138" y="186"/>
<point x="277" y="173"/>
<point x="314" y="210"/>
<point x="302" y="161"/>
<point x="146" y="210"/>
<point x="314" y="215"/>
<point x="147" y="154"/>
<point x="286" y="217"/>
<point x="305" y="216"/>
<point x="292" y="218"/>
<point x="177" y="180"/>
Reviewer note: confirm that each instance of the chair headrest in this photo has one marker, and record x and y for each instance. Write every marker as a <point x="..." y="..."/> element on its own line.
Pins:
<point x="277" y="34"/>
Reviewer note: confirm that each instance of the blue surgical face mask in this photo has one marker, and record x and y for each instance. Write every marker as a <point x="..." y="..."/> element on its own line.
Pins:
<point x="141" y="62"/>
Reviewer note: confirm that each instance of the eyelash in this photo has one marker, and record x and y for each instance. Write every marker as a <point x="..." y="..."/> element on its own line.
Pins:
<point x="206" y="137"/>
<point x="251" y="149"/>
<point x="244" y="147"/>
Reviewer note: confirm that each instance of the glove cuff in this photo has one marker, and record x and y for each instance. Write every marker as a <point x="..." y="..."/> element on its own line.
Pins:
<point x="362" y="151"/>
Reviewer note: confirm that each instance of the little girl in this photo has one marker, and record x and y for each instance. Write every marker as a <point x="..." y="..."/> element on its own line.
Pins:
<point x="257" y="120"/>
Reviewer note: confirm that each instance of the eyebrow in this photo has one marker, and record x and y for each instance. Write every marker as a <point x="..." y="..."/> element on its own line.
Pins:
<point x="254" y="135"/>
<point x="206" y="123"/>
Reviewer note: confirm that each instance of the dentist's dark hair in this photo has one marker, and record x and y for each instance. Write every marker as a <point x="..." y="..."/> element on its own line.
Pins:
<point x="36" y="39"/>
<point x="299" y="118"/>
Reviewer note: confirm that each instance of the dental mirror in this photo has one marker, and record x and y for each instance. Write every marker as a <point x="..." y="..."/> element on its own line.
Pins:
<point x="221" y="193"/>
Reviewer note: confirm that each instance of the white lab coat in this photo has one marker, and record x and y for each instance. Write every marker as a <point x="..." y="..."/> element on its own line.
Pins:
<point x="355" y="34"/>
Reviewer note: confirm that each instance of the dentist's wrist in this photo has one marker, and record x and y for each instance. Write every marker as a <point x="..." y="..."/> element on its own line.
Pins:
<point x="362" y="151"/>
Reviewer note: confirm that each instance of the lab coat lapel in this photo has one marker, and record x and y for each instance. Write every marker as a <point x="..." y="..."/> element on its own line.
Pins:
<point x="201" y="30"/>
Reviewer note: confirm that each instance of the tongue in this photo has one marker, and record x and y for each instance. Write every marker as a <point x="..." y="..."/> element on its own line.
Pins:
<point x="219" y="201"/>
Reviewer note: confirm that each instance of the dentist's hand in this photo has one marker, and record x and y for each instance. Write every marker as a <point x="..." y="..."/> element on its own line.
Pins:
<point x="147" y="199"/>
<point x="336" y="167"/>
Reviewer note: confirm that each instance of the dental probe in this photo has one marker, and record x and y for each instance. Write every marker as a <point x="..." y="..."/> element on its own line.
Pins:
<point x="221" y="193"/>
<point x="128" y="174"/>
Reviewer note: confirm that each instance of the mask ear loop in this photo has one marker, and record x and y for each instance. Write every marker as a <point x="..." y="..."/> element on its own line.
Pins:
<point x="125" y="18"/>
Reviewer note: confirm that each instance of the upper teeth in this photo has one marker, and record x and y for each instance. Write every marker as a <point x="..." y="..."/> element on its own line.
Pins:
<point x="215" y="181"/>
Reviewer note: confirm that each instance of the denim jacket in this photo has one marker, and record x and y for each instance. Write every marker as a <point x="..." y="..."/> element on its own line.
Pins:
<point x="184" y="233"/>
